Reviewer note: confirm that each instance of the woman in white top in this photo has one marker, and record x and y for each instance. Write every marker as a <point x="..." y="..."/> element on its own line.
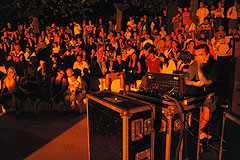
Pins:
<point x="167" y="65"/>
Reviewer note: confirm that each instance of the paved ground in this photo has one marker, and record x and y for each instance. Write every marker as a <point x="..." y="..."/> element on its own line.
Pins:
<point x="50" y="136"/>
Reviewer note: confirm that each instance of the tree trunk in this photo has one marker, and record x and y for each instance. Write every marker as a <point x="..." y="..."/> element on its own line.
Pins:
<point x="120" y="7"/>
<point x="194" y="7"/>
<point x="119" y="20"/>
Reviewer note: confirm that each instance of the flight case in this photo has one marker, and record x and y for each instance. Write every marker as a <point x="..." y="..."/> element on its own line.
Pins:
<point x="176" y="131"/>
<point x="119" y="127"/>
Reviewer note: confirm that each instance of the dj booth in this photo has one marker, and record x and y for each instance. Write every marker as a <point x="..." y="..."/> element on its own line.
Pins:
<point x="160" y="123"/>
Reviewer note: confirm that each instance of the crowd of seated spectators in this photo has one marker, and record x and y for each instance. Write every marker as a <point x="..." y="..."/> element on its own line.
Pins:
<point x="35" y="63"/>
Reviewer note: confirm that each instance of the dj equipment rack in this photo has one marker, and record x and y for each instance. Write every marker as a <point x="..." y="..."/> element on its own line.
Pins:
<point x="159" y="123"/>
<point x="172" y="84"/>
<point x="177" y="114"/>
<point x="172" y="119"/>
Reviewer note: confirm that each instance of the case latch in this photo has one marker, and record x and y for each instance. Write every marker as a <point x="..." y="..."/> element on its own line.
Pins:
<point x="148" y="126"/>
<point x="137" y="129"/>
<point x="144" y="155"/>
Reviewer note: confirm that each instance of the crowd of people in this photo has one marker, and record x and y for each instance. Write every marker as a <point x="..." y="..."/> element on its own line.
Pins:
<point x="57" y="62"/>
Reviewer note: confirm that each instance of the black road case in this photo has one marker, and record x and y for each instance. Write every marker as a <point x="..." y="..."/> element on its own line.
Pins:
<point x="176" y="131"/>
<point x="119" y="127"/>
<point x="230" y="140"/>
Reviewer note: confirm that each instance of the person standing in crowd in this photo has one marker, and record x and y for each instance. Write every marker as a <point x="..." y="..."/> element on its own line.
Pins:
<point x="111" y="26"/>
<point x="186" y="15"/>
<point x="89" y="31"/>
<point x="218" y="15"/>
<point x="110" y="55"/>
<point x="232" y="16"/>
<point x="165" y="19"/>
<point x="176" y="20"/>
<point x="131" y="24"/>
<point x="68" y="30"/>
<point x="6" y="45"/>
<point x="100" y="54"/>
<point x="202" y="13"/>
<point x="77" y="29"/>
<point x="190" y="30"/>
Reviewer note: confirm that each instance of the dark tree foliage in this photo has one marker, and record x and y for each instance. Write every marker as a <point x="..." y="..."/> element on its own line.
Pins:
<point x="57" y="10"/>
<point x="64" y="11"/>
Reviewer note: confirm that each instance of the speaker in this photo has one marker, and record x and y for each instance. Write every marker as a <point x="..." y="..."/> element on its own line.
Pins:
<point x="230" y="139"/>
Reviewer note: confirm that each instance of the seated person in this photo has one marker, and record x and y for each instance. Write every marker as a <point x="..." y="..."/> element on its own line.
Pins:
<point x="29" y="85"/>
<point x="118" y="71"/>
<point x="9" y="89"/>
<point x="44" y="77"/>
<point x="70" y="72"/>
<point x="133" y="72"/>
<point x="205" y="28"/>
<point x="58" y="86"/>
<point x="185" y="59"/>
<point x="167" y="65"/>
<point x="203" y="73"/>
<point x="153" y="64"/>
<point x="76" y="91"/>
<point x="80" y="64"/>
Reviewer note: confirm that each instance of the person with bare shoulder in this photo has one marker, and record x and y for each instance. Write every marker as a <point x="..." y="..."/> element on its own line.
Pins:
<point x="9" y="89"/>
<point x="203" y="72"/>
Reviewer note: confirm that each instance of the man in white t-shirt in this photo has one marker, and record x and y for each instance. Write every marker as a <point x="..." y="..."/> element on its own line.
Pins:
<point x="80" y="64"/>
<point x="147" y="40"/>
<point x="201" y="13"/>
